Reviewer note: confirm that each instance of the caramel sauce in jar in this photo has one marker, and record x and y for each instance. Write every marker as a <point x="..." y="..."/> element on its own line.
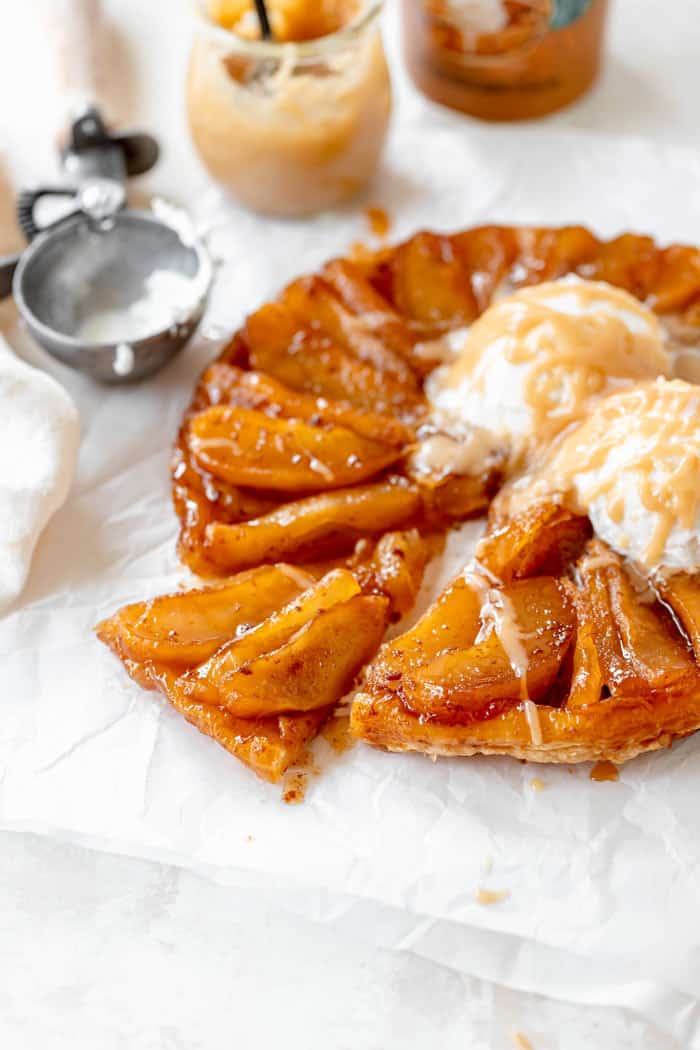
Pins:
<point x="503" y="59"/>
<point x="296" y="125"/>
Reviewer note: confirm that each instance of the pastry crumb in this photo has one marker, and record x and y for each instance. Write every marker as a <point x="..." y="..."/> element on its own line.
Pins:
<point x="491" y="896"/>
<point x="537" y="785"/>
<point x="294" y="788"/>
<point x="522" y="1042"/>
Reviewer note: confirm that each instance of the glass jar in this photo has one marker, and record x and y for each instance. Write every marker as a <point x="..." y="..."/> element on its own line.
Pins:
<point x="290" y="128"/>
<point x="503" y="59"/>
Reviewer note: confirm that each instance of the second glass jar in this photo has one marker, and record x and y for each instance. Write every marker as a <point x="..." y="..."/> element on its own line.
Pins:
<point x="290" y="128"/>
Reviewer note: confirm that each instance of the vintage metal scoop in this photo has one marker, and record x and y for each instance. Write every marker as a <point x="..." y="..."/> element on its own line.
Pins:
<point x="113" y="292"/>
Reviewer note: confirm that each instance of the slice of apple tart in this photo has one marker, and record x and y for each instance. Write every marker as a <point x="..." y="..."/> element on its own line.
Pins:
<point x="259" y="662"/>
<point x="574" y="636"/>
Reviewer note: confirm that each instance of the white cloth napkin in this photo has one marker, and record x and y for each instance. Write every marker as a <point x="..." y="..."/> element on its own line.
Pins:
<point x="39" y="435"/>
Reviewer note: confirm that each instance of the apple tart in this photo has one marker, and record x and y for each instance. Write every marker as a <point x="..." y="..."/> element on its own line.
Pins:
<point x="338" y="436"/>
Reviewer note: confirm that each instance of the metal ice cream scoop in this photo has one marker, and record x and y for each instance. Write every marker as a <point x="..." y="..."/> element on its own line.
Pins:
<point x="146" y="276"/>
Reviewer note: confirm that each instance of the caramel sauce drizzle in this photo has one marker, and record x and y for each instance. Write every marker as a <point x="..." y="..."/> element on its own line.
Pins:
<point x="498" y="614"/>
<point x="653" y="431"/>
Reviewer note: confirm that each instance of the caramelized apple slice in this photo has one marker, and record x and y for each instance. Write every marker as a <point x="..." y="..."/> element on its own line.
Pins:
<point x="199" y="497"/>
<point x="373" y="311"/>
<point x="248" y="448"/>
<point x="307" y="528"/>
<point x="629" y="261"/>
<point x="681" y="591"/>
<point x="542" y="540"/>
<point x="393" y="567"/>
<point x="186" y="628"/>
<point x="451" y="622"/>
<point x="431" y="284"/>
<point x="268" y="746"/>
<point x="537" y="623"/>
<point x="457" y="497"/>
<point x="312" y="300"/>
<point x="678" y="283"/>
<point x="638" y="648"/>
<point x="487" y="253"/>
<point x="210" y="682"/>
<point x="228" y="385"/>
<point x="545" y="254"/>
<point x="315" y="667"/>
<point x="586" y="678"/>
<point x="304" y="359"/>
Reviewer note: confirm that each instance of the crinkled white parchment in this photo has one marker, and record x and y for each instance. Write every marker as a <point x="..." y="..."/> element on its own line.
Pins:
<point x="604" y="879"/>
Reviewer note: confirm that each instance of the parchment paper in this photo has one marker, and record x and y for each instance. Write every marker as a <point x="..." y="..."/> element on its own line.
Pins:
<point x="604" y="901"/>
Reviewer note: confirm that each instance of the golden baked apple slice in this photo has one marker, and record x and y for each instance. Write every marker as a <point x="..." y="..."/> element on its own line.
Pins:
<point x="312" y="299"/>
<point x="541" y="540"/>
<point x="639" y="650"/>
<point x="545" y="254"/>
<point x="517" y="658"/>
<point x="586" y="676"/>
<point x="373" y="312"/>
<point x="452" y="622"/>
<point x="246" y="447"/>
<point x="229" y="385"/>
<point x="305" y="359"/>
<point x="488" y="253"/>
<point x="394" y="567"/>
<point x="678" y="282"/>
<point x="312" y="527"/>
<point x="268" y="746"/>
<point x="210" y="681"/>
<point x="681" y="591"/>
<point x="630" y="261"/>
<point x="185" y="628"/>
<point x="457" y="496"/>
<point x="198" y="496"/>
<point x="431" y="283"/>
<point x="313" y="669"/>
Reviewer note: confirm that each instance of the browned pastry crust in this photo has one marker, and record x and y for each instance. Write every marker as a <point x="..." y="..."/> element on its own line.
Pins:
<point x="614" y="730"/>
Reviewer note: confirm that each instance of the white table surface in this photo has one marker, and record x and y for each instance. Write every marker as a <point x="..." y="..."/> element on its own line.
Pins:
<point x="100" y="951"/>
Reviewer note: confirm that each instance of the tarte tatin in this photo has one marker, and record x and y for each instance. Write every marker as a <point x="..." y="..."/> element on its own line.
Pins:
<point x="317" y="471"/>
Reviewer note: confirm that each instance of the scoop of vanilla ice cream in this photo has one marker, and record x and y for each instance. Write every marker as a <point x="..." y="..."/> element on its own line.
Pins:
<point x="634" y="467"/>
<point x="533" y="362"/>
